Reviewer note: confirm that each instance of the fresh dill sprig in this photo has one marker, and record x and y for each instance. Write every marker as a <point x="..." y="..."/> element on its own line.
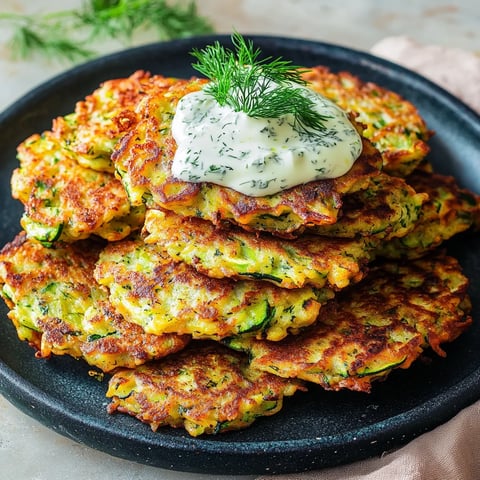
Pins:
<point x="71" y="34"/>
<point x="261" y="88"/>
<point x="45" y="34"/>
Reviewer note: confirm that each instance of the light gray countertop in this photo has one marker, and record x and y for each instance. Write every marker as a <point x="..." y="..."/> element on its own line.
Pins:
<point x="30" y="451"/>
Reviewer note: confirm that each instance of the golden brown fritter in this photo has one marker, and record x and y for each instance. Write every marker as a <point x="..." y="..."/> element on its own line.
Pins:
<point x="388" y="208"/>
<point x="144" y="156"/>
<point x="206" y="389"/>
<point x="66" y="201"/>
<point x="57" y="307"/>
<point x="66" y="178"/>
<point x="164" y="296"/>
<point x="92" y="130"/>
<point x="449" y="210"/>
<point x="393" y="124"/>
<point x="235" y="253"/>
<point x="382" y="323"/>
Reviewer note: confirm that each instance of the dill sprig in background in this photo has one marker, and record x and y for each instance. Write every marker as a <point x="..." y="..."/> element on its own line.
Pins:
<point x="71" y="34"/>
<point x="262" y="88"/>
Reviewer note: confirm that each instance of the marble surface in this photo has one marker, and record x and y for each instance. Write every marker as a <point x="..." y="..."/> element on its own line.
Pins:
<point x="28" y="450"/>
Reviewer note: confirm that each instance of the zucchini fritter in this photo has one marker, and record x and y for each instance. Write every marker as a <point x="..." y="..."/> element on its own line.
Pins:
<point x="66" y="178"/>
<point x="388" y="208"/>
<point x="92" y="130"/>
<point x="448" y="211"/>
<point x="206" y="389"/>
<point x="382" y="323"/>
<point x="235" y="253"/>
<point x="66" y="201"/>
<point x="164" y="296"/>
<point x="144" y="156"/>
<point x="59" y="309"/>
<point x="393" y="124"/>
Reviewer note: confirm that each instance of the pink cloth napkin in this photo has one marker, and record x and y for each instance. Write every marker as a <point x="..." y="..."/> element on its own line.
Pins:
<point x="456" y="70"/>
<point x="452" y="450"/>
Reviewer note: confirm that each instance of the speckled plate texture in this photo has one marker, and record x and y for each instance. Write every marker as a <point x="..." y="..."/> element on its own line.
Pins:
<point x="316" y="429"/>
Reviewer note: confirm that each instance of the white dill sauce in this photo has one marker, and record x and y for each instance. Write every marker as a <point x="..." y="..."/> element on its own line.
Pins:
<point x="259" y="156"/>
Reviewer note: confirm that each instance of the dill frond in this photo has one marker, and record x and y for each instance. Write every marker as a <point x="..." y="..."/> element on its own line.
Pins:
<point x="260" y="87"/>
<point x="70" y="34"/>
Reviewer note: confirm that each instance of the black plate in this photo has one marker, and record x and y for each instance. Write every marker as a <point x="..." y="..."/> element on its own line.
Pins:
<point x="314" y="430"/>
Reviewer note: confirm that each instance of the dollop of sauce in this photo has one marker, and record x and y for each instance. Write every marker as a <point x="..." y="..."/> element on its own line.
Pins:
<point x="259" y="156"/>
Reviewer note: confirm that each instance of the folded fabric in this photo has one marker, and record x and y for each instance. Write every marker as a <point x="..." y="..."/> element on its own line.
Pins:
<point x="456" y="70"/>
<point x="449" y="452"/>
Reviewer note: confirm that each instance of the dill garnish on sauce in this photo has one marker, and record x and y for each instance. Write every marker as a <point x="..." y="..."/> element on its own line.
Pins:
<point x="261" y="88"/>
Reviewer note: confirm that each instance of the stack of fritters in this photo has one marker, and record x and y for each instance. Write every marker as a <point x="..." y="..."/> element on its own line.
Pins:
<point x="335" y="282"/>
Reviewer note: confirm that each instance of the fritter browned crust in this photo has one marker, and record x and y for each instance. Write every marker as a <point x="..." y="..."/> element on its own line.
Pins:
<point x="206" y="389"/>
<point x="393" y="124"/>
<point x="384" y="322"/>
<point x="164" y="296"/>
<point x="66" y="178"/>
<point x="66" y="201"/>
<point x="144" y="156"/>
<point x="449" y="210"/>
<point x="57" y="307"/>
<point x="92" y="130"/>
<point x="388" y="208"/>
<point x="235" y="253"/>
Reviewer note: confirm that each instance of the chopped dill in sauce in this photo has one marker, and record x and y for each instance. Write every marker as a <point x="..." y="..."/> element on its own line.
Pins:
<point x="257" y="155"/>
